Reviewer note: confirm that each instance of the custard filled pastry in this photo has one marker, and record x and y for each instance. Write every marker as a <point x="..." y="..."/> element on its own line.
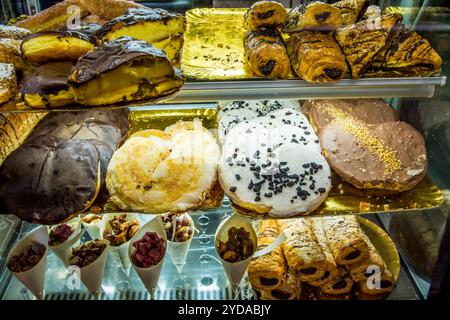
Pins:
<point x="346" y="239"/>
<point x="8" y="82"/>
<point x="164" y="171"/>
<point x="123" y="70"/>
<point x="267" y="272"/>
<point x="313" y="16"/>
<point x="316" y="57"/>
<point x="265" y="14"/>
<point x="266" y="53"/>
<point x="360" y="42"/>
<point x="351" y="10"/>
<point x="406" y="54"/>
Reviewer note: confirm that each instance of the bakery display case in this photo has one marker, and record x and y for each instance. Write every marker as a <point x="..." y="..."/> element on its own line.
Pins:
<point x="242" y="150"/>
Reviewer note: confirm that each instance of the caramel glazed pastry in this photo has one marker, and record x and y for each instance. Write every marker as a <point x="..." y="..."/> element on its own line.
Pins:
<point x="59" y="170"/>
<point x="389" y="156"/>
<point x="155" y="171"/>
<point x="272" y="166"/>
<point x="144" y="71"/>
<point x="158" y="27"/>
<point x="265" y="14"/>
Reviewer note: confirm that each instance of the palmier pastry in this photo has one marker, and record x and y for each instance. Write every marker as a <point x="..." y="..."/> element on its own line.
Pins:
<point x="13" y="32"/>
<point x="143" y="70"/>
<point x="266" y="53"/>
<point x="10" y="53"/>
<point x="372" y="111"/>
<point x="50" y="46"/>
<point x="405" y="54"/>
<point x="314" y="15"/>
<point x="360" y="42"/>
<point x="164" y="171"/>
<point x="8" y="82"/>
<point x="265" y="14"/>
<point x="351" y="10"/>
<point x="47" y="86"/>
<point x="316" y="57"/>
<point x="388" y="156"/>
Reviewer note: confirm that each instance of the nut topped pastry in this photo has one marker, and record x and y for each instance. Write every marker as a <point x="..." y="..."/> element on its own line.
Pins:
<point x="144" y="72"/>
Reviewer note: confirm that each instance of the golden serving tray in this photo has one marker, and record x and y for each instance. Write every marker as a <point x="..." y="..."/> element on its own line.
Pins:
<point x="342" y="199"/>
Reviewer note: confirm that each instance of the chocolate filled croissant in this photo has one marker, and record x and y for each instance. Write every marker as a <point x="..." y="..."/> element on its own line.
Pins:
<point x="266" y="53"/>
<point x="360" y="42"/>
<point x="313" y="16"/>
<point x="265" y="14"/>
<point x="351" y="10"/>
<point x="316" y="57"/>
<point x="406" y="54"/>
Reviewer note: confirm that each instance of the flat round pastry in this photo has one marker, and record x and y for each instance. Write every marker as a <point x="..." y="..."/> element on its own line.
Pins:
<point x="269" y="178"/>
<point x="389" y="156"/>
<point x="47" y="86"/>
<point x="164" y="171"/>
<point x="373" y="111"/>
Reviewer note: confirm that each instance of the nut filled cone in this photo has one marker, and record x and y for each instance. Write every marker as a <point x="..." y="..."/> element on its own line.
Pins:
<point x="34" y="278"/>
<point x="64" y="249"/>
<point x="93" y="229"/>
<point x="120" y="252"/>
<point x="92" y="274"/>
<point x="234" y="270"/>
<point x="149" y="276"/>
<point x="178" y="250"/>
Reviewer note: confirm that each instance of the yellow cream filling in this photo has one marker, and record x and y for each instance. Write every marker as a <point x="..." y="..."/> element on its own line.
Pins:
<point x="60" y="99"/>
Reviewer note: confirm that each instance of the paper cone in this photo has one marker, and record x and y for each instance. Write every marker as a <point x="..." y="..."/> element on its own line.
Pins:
<point x="34" y="278"/>
<point x="178" y="250"/>
<point x="92" y="274"/>
<point x="64" y="249"/>
<point x="119" y="252"/>
<point x="234" y="270"/>
<point x="149" y="276"/>
<point x="93" y="229"/>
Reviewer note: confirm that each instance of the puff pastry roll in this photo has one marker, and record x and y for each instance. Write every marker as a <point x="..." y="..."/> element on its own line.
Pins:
<point x="346" y="239"/>
<point x="267" y="272"/>
<point x="266" y="53"/>
<point x="288" y="290"/>
<point x="304" y="254"/>
<point x="406" y="54"/>
<point x="385" y="285"/>
<point x="313" y="16"/>
<point x="351" y="10"/>
<point x="360" y="42"/>
<point x="340" y="285"/>
<point x="316" y="57"/>
<point x="265" y="14"/>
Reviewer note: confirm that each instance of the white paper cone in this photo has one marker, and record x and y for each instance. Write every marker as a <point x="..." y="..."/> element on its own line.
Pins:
<point x="149" y="276"/>
<point x="178" y="250"/>
<point x="119" y="252"/>
<point x="64" y="249"/>
<point x="93" y="229"/>
<point x="92" y="274"/>
<point x="33" y="279"/>
<point x="234" y="270"/>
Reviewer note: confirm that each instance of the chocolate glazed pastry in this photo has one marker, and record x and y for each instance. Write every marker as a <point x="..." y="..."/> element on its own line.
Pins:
<point x="316" y="57"/>
<point x="266" y="53"/>
<point x="405" y="54"/>
<point x="313" y="15"/>
<point x="267" y="272"/>
<point x="360" y="42"/>
<point x="265" y="14"/>
<point x="388" y="156"/>
<point x="351" y="10"/>
<point x="47" y="86"/>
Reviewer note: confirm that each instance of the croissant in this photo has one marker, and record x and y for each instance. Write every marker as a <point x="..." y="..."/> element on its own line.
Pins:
<point x="266" y="53"/>
<point x="406" y="54"/>
<point x="265" y="14"/>
<point x="313" y="16"/>
<point x="360" y="42"/>
<point x="351" y="10"/>
<point x="316" y="57"/>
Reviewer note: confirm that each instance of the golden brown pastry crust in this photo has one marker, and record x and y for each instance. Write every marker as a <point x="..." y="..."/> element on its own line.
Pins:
<point x="351" y="10"/>
<point x="290" y="289"/>
<point x="313" y="16"/>
<point x="13" y="32"/>
<point x="10" y="53"/>
<point x="316" y="57"/>
<point x="266" y="53"/>
<point x="342" y="284"/>
<point x="386" y="284"/>
<point x="265" y="14"/>
<point x="109" y="9"/>
<point x="267" y="272"/>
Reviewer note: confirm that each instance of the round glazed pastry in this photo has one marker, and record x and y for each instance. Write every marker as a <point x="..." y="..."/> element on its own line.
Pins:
<point x="388" y="156"/>
<point x="160" y="171"/>
<point x="265" y="176"/>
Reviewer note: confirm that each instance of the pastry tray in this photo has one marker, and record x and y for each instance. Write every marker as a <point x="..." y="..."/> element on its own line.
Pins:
<point x="202" y="278"/>
<point x="342" y="199"/>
